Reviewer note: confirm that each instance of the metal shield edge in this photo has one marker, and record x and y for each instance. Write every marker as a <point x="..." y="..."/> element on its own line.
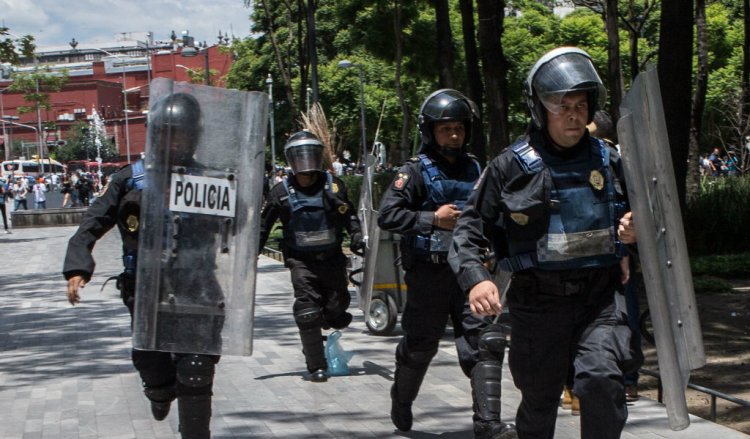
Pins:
<point x="368" y="218"/>
<point x="661" y="243"/>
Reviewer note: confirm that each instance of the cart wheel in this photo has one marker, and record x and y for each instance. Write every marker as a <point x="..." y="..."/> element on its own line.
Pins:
<point x="382" y="317"/>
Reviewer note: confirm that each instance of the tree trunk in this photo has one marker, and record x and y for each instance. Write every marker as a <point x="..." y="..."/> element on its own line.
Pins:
<point x="494" y="67"/>
<point x="312" y="50"/>
<point x="444" y="44"/>
<point x="744" y="109"/>
<point x="475" y="88"/>
<point x="613" y="63"/>
<point x="279" y="61"/>
<point x="633" y="41"/>
<point x="675" y="73"/>
<point x="699" y="99"/>
<point x="404" y="146"/>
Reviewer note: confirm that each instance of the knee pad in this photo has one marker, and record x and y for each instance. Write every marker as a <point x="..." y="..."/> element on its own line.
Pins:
<point x="195" y="374"/>
<point x="308" y="316"/>
<point x="492" y="343"/>
<point x="420" y="359"/>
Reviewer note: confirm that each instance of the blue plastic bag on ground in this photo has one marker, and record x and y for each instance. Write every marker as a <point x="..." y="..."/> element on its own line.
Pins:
<point x="336" y="356"/>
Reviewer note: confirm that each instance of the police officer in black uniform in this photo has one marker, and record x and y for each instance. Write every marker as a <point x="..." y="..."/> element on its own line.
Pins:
<point x="165" y="375"/>
<point x="552" y="207"/>
<point x="314" y="210"/>
<point x="422" y="205"/>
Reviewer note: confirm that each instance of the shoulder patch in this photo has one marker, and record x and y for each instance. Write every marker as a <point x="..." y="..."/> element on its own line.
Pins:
<point x="399" y="183"/>
<point x="334" y="188"/>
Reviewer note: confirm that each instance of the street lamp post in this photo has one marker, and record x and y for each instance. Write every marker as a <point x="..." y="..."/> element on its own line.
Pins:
<point x="5" y="135"/>
<point x="269" y="82"/>
<point x="5" y="120"/>
<point x="124" y="102"/>
<point x="307" y="96"/>
<point x="347" y="64"/>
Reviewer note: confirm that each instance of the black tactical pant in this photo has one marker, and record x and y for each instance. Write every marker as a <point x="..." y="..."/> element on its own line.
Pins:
<point x="321" y="294"/>
<point x="558" y="322"/>
<point x="432" y="297"/>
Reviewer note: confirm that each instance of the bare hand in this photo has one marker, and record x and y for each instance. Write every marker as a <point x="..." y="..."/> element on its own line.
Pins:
<point x="625" y="269"/>
<point x="626" y="229"/>
<point x="484" y="299"/>
<point x="446" y="216"/>
<point x="74" y="284"/>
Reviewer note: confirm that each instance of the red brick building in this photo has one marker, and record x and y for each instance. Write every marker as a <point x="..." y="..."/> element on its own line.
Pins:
<point x="100" y="77"/>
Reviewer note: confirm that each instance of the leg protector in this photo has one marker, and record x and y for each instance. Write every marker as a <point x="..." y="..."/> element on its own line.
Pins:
<point x="486" y="386"/>
<point x="195" y="416"/>
<point x="195" y="374"/>
<point x="309" y="321"/>
<point x="492" y="343"/>
<point x="312" y="347"/>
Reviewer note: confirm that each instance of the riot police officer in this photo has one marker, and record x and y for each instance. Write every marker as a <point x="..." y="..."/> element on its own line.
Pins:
<point x="422" y="205"/>
<point x="314" y="210"/>
<point x="552" y="208"/>
<point x="165" y="376"/>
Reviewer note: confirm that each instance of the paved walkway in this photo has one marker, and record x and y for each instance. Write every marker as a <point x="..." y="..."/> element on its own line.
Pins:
<point x="65" y="371"/>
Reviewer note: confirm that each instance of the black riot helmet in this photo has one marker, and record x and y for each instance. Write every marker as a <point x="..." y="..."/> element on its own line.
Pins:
<point x="558" y="72"/>
<point x="174" y="120"/>
<point x="446" y="105"/>
<point x="304" y="152"/>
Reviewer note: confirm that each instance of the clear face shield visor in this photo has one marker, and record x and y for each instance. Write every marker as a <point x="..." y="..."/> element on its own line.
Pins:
<point x="564" y="74"/>
<point x="305" y="156"/>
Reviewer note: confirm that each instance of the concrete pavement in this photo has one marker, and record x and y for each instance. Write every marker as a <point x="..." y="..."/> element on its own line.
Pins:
<point x="65" y="371"/>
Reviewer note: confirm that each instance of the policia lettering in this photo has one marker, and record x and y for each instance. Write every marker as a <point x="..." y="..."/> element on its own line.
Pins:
<point x="196" y="194"/>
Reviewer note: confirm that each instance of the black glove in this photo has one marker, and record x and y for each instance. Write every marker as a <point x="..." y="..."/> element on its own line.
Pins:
<point x="357" y="244"/>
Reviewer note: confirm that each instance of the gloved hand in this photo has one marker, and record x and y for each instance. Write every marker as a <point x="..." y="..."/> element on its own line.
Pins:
<point x="357" y="244"/>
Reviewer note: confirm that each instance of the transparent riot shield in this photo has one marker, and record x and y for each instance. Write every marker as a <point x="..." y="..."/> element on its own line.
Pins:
<point x="661" y="241"/>
<point x="200" y="209"/>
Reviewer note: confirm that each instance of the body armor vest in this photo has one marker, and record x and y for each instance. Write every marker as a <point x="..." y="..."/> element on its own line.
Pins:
<point x="441" y="190"/>
<point x="310" y="230"/>
<point x="583" y="212"/>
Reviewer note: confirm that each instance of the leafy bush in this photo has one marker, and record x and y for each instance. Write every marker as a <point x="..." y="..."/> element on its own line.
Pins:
<point x="716" y="221"/>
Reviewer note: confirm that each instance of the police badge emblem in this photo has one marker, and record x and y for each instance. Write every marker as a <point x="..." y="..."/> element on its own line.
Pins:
<point x="596" y="179"/>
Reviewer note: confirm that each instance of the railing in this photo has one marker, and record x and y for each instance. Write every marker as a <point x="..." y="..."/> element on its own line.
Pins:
<point x="713" y="393"/>
<point x="271" y="253"/>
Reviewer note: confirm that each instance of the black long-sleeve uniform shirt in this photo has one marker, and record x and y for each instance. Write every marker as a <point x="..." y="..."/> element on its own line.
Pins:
<point x="100" y="217"/>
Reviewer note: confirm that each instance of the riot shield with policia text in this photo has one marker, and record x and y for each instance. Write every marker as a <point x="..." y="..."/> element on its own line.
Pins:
<point x="200" y="219"/>
<point x="661" y="241"/>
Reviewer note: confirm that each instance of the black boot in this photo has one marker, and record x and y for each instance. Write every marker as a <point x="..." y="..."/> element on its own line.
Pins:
<point x="485" y="391"/>
<point x="403" y="392"/>
<point x="195" y="416"/>
<point x="315" y="357"/>
<point x="161" y="399"/>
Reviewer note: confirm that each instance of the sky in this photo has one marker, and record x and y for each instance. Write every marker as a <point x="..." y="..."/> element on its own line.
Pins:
<point x="56" y="22"/>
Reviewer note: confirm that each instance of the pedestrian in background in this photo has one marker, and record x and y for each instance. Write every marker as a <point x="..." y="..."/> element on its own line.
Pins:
<point x="20" y="191"/>
<point x="40" y="194"/>
<point x="4" y="193"/>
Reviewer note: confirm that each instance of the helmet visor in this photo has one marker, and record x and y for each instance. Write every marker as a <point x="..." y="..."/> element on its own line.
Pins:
<point x="567" y="73"/>
<point x="305" y="156"/>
